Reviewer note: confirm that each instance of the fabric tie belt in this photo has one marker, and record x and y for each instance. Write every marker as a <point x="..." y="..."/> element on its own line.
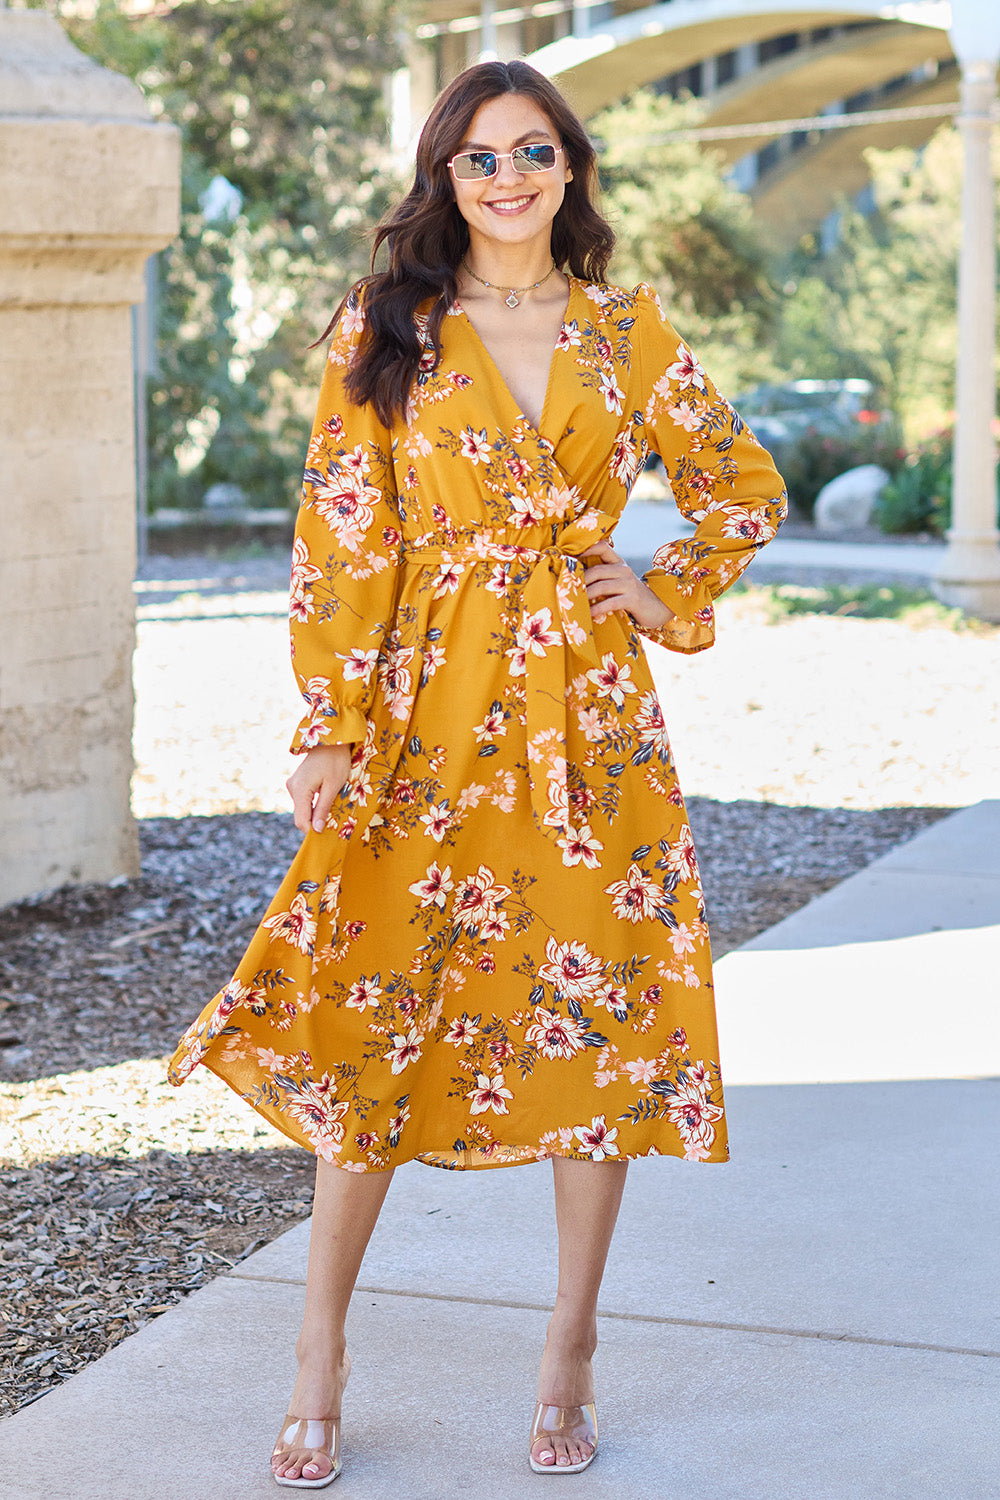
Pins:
<point x="553" y="643"/>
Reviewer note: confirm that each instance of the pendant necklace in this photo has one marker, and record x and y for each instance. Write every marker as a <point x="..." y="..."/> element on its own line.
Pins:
<point x="514" y="293"/>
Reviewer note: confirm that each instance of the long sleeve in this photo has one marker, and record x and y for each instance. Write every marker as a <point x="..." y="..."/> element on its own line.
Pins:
<point x="720" y="476"/>
<point x="345" y="559"/>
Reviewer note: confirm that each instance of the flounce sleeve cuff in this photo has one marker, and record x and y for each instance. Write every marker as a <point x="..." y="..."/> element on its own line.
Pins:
<point x="333" y="725"/>
<point x="693" y="626"/>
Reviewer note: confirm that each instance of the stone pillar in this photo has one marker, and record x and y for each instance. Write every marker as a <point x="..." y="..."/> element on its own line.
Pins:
<point x="969" y="574"/>
<point x="89" y="188"/>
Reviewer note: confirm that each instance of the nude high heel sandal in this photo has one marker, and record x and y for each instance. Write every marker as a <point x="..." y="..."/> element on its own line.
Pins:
<point x="577" y="1423"/>
<point x="322" y="1435"/>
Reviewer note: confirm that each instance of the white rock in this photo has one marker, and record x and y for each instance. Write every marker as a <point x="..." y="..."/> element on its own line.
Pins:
<point x="223" y="496"/>
<point x="847" y="501"/>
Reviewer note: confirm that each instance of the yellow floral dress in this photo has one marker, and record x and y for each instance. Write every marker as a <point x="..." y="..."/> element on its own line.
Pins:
<point x="496" y="950"/>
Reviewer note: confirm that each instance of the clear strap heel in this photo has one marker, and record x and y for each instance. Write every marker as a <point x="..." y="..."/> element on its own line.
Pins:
<point x="319" y="1435"/>
<point x="576" y="1423"/>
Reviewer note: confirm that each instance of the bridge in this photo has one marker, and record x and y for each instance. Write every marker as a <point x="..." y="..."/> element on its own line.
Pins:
<point x="753" y="66"/>
<point x="770" y="75"/>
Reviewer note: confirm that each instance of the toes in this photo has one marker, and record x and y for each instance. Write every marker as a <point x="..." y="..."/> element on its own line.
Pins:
<point x="317" y="1468"/>
<point x="298" y="1468"/>
<point x="544" y="1454"/>
<point x="562" y="1452"/>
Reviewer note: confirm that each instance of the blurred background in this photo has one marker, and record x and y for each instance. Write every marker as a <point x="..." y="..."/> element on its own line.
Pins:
<point x="788" y="177"/>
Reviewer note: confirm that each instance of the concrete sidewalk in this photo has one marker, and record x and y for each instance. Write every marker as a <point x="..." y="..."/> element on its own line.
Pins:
<point x="819" y="1320"/>
<point x="646" y="525"/>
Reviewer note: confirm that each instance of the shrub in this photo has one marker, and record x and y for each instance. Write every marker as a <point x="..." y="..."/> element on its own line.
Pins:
<point x="918" y="496"/>
<point x="814" y="458"/>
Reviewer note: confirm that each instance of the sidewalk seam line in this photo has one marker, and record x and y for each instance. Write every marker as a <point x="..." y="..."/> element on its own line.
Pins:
<point x="625" y="1317"/>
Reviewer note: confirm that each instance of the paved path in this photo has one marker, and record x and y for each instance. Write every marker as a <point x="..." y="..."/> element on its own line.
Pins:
<point x="646" y="525"/>
<point x="818" y="1320"/>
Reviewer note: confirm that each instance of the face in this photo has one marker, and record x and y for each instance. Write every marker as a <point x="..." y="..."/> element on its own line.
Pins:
<point x="514" y="207"/>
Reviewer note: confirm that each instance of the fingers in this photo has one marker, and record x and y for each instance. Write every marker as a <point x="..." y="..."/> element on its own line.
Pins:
<point x="301" y="794"/>
<point x="613" y="604"/>
<point x="314" y="784"/>
<point x="322" y="805"/>
<point x="610" y="586"/>
<point x="311" y="801"/>
<point x="604" y="551"/>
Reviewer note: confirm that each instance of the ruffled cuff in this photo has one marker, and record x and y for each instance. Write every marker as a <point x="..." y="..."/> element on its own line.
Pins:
<point x="693" y="626"/>
<point x="332" y="725"/>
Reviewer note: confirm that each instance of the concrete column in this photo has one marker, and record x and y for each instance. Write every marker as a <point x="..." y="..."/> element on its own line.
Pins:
<point x="412" y="93"/>
<point x="89" y="188"/>
<point x="487" y="32"/>
<point x="969" y="575"/>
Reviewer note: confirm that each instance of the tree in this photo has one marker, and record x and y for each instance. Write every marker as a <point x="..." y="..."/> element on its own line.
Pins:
<point x="285" y="101"/>
<point x="881" y="304"/>
<point x="686" y="230"/>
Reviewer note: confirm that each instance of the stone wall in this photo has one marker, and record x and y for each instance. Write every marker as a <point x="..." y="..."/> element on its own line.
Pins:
<point x="88" y="190"/>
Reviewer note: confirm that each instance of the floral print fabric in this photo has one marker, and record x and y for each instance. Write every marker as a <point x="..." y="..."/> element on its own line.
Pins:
<point x="496" y="950"/>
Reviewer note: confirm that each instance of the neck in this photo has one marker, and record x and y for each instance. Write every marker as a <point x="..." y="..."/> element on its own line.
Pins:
<point x="506" y="266"/>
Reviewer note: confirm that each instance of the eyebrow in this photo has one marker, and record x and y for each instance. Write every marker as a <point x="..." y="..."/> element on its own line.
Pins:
<point x="530" y="137"/>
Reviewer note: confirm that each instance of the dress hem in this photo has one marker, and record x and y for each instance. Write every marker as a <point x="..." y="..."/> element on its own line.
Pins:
<point x="530" y="1154"/>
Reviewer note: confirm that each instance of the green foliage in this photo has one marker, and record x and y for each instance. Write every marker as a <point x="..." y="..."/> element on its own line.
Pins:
<point x="917" y="608"/>
<point x="682" y="228"/>
<point x="918" y="496"/>
<point x="881" y="305"/>
<point x="284" y="99"/>
<point x="817" y="457"/>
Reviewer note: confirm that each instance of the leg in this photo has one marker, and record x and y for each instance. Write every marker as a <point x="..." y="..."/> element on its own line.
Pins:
<point x="346" y="1207"/>
<point x="588" y="1196"/>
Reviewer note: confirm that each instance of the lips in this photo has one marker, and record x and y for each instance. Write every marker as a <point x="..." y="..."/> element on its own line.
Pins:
<point x="510" y="205"/>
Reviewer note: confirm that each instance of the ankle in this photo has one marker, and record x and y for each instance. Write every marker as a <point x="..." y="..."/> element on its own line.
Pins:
<point x="328" y="1353"/>
<point x="573" y="1334"/>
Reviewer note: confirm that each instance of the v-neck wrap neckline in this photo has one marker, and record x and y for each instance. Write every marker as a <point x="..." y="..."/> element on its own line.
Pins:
<point x="537" y="427"/>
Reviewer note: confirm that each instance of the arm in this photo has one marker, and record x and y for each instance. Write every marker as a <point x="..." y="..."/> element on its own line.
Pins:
<point x="721" y="478"/>
<point x="345" y="565"/>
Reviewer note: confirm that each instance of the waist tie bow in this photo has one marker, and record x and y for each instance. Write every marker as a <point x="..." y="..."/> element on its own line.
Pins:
<point x="553" y="643"/>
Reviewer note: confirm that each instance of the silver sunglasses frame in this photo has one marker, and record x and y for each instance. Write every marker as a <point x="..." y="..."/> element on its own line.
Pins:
<point x="503" y="156"/>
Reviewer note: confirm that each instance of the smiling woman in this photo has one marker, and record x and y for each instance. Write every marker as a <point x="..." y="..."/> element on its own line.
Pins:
<point x="491" y="948"/>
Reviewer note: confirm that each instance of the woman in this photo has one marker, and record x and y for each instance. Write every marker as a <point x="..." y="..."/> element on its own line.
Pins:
<point x="491" y="948"/>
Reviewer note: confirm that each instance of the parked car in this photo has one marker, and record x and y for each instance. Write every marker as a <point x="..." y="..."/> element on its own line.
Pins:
<point x="817" y="429"/>
<point x="779" y="414"/>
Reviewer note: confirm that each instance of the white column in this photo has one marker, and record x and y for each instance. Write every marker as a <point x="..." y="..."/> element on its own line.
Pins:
<point x="969" y="575"/>
<point x="488" y="32"/>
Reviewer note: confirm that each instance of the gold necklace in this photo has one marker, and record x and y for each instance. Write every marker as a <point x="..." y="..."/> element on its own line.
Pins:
<point x="512" y="299"/>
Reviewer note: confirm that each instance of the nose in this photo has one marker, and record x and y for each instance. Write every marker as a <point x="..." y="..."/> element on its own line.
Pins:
<point x="507" y="173"/>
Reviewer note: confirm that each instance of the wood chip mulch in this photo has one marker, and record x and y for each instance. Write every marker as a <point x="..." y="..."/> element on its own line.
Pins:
<point x="119" y="1194"/>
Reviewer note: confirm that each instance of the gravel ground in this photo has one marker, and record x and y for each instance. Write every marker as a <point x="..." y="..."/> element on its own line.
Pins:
<point x="807" y="747"/>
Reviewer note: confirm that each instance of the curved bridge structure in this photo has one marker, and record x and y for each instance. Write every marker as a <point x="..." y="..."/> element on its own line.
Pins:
<point x="750" y="62"/>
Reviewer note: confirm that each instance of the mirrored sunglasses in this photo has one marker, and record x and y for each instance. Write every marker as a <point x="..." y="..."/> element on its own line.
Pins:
<point x="468" y="165"/>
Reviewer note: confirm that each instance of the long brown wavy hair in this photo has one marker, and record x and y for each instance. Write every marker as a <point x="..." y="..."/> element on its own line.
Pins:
<point x="426" y="236"/>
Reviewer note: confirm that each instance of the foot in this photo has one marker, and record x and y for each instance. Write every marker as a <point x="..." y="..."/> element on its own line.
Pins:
<point x="316" y="1399"/>
<point x="566" y="1379"/>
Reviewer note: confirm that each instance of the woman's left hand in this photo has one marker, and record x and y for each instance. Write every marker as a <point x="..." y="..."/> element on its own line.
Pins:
<point x="612" y="587"/>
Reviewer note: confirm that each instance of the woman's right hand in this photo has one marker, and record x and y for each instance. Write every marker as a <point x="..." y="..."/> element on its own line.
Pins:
<point x="315" y="782"/>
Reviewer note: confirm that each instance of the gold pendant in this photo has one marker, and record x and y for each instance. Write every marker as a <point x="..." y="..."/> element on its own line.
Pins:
<point x="511" y="299"/>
